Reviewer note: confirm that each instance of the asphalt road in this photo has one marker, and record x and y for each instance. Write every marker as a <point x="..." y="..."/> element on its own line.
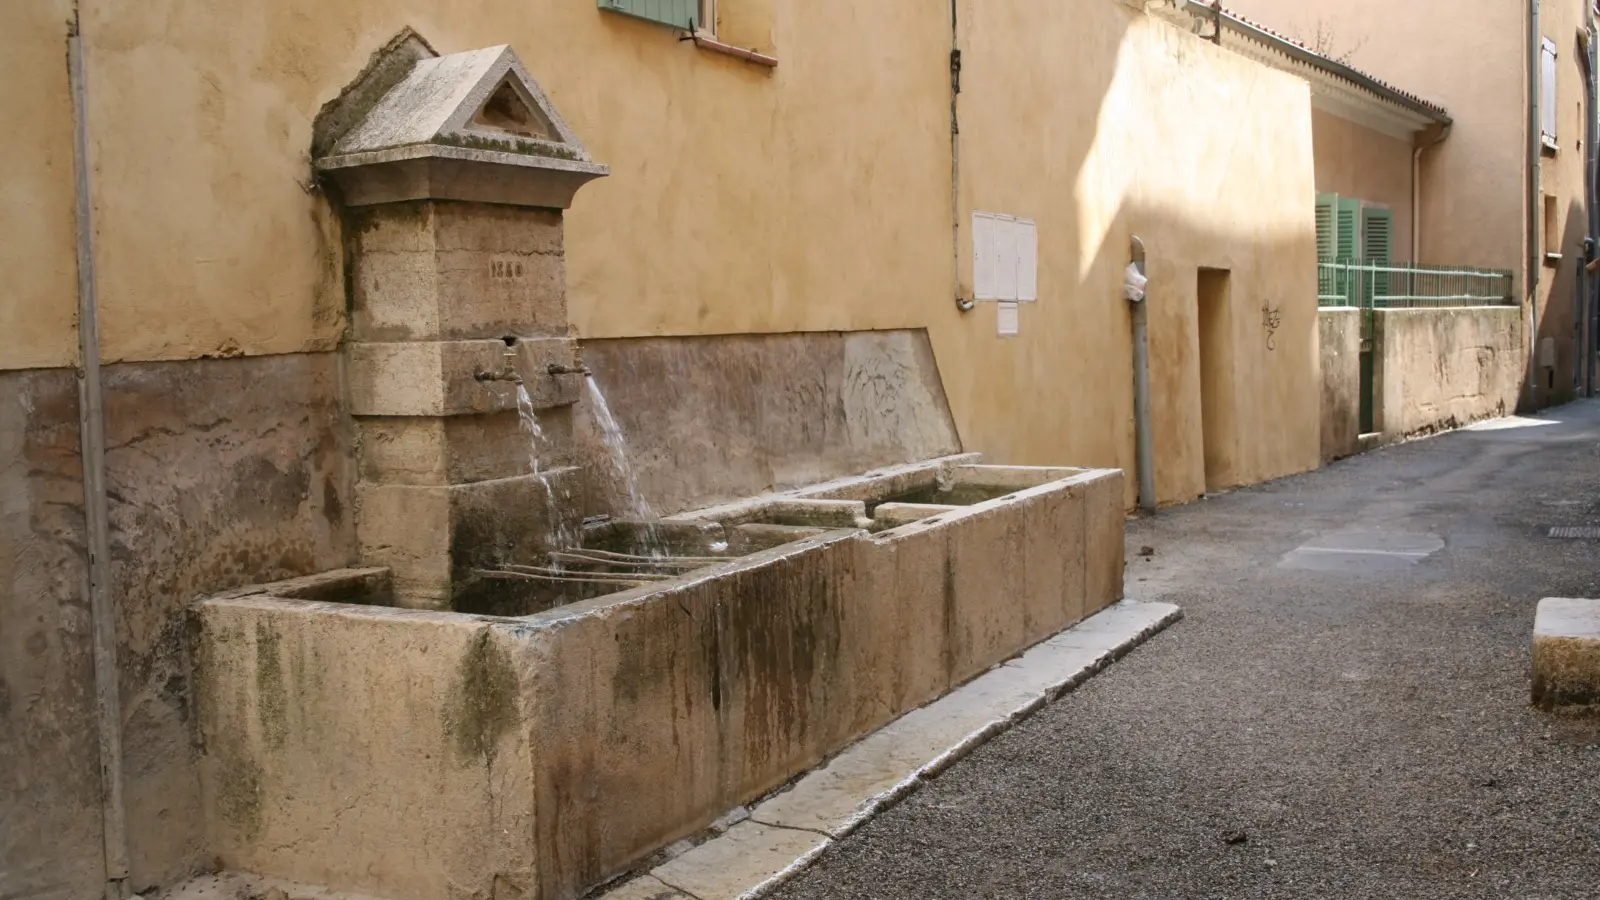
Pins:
<point x="1323" y="723"/>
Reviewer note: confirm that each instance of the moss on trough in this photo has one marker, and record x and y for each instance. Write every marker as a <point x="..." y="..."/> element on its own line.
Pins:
<point x="483" y="701"/>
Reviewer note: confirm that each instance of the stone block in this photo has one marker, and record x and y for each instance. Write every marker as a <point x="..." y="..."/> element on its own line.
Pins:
<point x="327" y="763"/>
<point x="784" y="663"/>
<point x="628" y="705"/>
<point x="985" y="589"/>
<point x="909" y="569"/>
<point x="895" y="514"/>
<point x="1015" y="477"/>
<point x="741" y="861"/>
<point x="546" y="391"/>
<point x="435" y="537"/>
<point x="1104" y="525"/>
<point x="1052" y="554"/>
<point x="1566" y="655"/>
<point x="428" y="378"/>
<point x="443" y="450"/>
<point x="442" y="270"/>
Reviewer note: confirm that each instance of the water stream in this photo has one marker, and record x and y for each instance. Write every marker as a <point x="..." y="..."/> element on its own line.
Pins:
<point x="561" y="536"/>
<point x="611" y="433"/>
<point x="530" y="424"/>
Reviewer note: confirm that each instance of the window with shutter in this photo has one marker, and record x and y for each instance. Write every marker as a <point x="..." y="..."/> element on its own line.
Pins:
<point x="1346" y="229"/>
<point x="1327" y="244"/>
<point x="684" y="14"/>
<point x="1377" y="247"/>
<point x="1547" y="93"/>
<point x="1327" y="238"/>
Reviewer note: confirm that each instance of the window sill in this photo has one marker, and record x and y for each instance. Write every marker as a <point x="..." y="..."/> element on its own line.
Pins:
<point x="1549" y="144"/>
<point x="1552" y="259"/>
<point x="712" y="45"/>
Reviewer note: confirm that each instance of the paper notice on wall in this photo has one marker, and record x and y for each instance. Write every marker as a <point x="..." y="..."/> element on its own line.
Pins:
<point x="1007" y="318"/>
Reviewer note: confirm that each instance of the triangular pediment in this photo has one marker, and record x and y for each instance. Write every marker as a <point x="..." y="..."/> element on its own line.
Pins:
<point x="510" y="111"/>
<point x="482" y="99"/>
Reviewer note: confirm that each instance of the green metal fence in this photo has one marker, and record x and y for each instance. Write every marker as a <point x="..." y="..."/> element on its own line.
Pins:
<point x="1370" y="285"/>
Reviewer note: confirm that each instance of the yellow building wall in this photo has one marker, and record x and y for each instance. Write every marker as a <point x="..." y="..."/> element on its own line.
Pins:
<point x="39" y="290"/>
<point x="1562" y="224"/>
<point x="814" y="196"/>
<point x="1471" y="64"/>
<point x="1355" y="161"/>
<point x="741" y="199"/>
<point x="1137" y="129"/>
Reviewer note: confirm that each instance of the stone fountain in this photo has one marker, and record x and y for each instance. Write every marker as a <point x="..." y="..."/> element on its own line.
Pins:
<point x="453" y="172"/>
<point x="481" y="711"/>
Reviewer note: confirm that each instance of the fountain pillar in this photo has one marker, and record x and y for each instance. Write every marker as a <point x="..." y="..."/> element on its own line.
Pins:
<point x="452" y="184"/>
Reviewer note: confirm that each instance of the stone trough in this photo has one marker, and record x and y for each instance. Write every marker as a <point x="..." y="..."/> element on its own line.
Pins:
<point x="424" y="754"/>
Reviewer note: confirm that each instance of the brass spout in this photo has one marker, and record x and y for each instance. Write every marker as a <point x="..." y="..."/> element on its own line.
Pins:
<point x="508" y="373"/>
<point x="559" y="369"/>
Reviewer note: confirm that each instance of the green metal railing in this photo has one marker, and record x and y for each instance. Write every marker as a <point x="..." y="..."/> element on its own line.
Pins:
<point x="1371" y="285"/>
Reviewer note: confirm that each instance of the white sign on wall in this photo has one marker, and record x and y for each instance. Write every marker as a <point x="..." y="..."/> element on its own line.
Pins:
<point x="1007" y="322"/>
<point x="1005" y="258"/>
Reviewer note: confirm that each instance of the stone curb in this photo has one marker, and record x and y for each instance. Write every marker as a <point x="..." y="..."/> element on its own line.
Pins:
<point x="754" y="857"/>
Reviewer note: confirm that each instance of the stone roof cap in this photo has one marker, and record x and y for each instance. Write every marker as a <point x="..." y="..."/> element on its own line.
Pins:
<point x="430" y="125"/>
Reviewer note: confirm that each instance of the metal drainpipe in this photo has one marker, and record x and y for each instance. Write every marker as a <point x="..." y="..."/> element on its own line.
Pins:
<point x="1145" y="440"/>
<point x="91" y="425"/>
<point x="1591" y="303"/>
<point x="1535" y="154"/>
<point x="1583" y="308"/>
<point x="962" y="303"/>
<point x="1416" y="193"/>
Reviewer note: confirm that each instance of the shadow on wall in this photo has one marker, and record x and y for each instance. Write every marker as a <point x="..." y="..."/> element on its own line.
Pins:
<point x="1206" y="155"/>
<point x="1554" y="366"/>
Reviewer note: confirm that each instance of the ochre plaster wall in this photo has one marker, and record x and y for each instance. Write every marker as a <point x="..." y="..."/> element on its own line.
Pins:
<point x="1140" y="129"/>
<point x="39" y="299"/>
<point x="1356" y="161"/>
<point x="1472" y="65"/>
<point x="816" y="196"/>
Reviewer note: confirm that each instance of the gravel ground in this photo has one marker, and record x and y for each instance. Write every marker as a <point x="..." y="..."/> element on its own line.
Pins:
<point x="1357" y="732"/>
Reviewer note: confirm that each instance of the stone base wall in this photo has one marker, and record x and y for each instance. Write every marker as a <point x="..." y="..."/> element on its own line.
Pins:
<point x="709" y="419"/>
<point x="1433" y="370"/>
<point x="220" y="472"/>
<point x="1339" y="332"/>
<point x="1437" y="369"/>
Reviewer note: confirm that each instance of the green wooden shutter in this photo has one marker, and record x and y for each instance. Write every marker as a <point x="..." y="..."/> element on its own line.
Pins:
<point x="1327" y="237"/>
<point x="1377" y="246"/>
<point x="1348" y="282"/>
<point x="1347" y="228"/>
<point x="677" y="13"/>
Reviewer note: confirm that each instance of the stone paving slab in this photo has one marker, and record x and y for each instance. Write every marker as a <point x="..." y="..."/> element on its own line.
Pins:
<point x="748" y="858"/>
<point x="788" y="830"/>
<point x="647" y="887"/>
<point x="1566" y="654"/>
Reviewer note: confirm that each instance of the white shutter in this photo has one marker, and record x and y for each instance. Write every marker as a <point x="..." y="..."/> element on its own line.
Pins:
<point x="1005" y="258"/>
<point x="1547" y="92"/>
<point x="1027" y="260"/>
<point x="983" y="228"/>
